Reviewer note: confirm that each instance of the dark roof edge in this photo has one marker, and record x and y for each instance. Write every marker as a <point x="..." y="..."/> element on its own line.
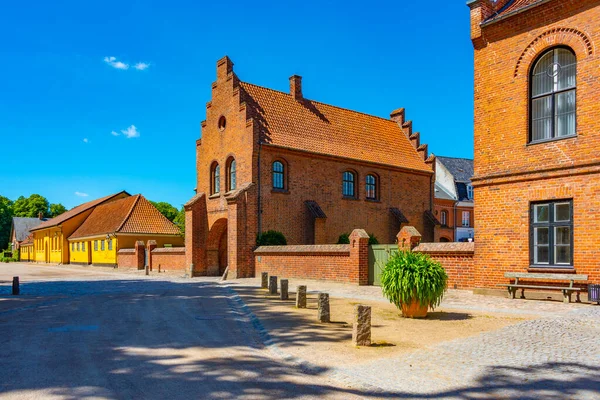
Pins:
<point x="499" y="17"/>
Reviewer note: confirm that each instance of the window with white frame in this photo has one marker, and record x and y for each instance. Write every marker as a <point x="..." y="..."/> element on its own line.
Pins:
<point x="466" y="218"/>
<point x="470" y="192"/>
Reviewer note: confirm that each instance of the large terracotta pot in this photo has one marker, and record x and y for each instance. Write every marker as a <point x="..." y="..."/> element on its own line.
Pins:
<point x="414" y="310"/>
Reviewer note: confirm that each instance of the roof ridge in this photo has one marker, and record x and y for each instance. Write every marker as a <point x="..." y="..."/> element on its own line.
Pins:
<point x="455" y="158"/>
<point x="320" y="102"/>
<point x="129" y="212"/>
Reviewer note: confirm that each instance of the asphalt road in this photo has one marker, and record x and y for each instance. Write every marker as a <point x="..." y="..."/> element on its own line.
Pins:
<point x="86" y="334"/>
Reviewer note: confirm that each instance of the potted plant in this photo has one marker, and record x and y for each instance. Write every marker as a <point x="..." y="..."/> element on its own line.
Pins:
<point x="413" y="282"/>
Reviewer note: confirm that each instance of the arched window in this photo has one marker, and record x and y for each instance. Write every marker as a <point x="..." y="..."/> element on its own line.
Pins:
<point x="371" y="182"/>
<point x="215" y="179"/>
<point x="348" y="185"/>
<point x="552" y="88"/>
<point x="444" y="218"/>
<point x="278" y="175"/>
<point x="231" y="175"/>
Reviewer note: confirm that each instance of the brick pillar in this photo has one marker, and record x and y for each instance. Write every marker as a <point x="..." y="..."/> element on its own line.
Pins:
<point x="151" y="245"/>
<point x="408" y="238"/>
<point x="241" y="231"/>
<point x="359" y="255"/>
<point x="196" y="232"/>
<point x="140" y="249"/>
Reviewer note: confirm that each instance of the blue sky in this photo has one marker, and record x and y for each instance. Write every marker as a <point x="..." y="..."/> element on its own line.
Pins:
<point x="62" y="95"/>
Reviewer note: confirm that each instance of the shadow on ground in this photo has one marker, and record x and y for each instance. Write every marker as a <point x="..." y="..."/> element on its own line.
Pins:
<point x="157" y="339"/>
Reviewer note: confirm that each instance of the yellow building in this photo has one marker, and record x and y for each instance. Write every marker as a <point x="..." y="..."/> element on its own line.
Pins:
<point x="26" y="252"/>
<point x="50" y="237"/>
<point x="117" y="225"/>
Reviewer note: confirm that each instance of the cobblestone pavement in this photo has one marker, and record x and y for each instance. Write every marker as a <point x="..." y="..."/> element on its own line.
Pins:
<point x="555" y="356"/>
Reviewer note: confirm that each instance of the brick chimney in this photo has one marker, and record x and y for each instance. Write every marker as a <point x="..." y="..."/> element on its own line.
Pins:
<point x="41" y="215"/>
<point x="296" y="87"/>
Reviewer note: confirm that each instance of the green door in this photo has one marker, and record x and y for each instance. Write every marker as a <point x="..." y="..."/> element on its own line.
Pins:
<point x="379" y="255"/>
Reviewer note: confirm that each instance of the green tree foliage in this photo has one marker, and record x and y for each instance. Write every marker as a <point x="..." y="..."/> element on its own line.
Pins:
<point x="271" y="238"/>
<point x="344" y="238"/>
<point x="56" y="209"/>
<point x="31" y="206"/>
<point x="6" y="214"/>
<point x="409" y="277"/>
<point x="166" y="209"/>
<point x="180" y="220"/>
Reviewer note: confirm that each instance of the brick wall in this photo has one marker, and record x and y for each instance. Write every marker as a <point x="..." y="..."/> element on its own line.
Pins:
<point x="168" y="259"/>
<point x="346" y="263"/>
<point x="510" y="173"/>
<point x="457" y="260"/>
<point x="126" y="258"/>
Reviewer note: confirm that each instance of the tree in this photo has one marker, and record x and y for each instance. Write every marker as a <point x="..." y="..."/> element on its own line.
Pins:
<point x="166" y="209"/>
<point x="31" y="206"/>
<point x="6" y="214"/>
<point x="56" y="209"/>
<point x="180" y="220"/>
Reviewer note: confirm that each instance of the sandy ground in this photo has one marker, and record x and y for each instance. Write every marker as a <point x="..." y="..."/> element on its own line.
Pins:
<point x="297" y="332"/>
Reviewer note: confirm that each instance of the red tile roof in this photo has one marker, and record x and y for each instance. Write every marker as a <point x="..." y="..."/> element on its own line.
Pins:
<point x="76" y="211"/>
<point x="321" y="128"/>
<point x="132" y="214"/>
<point x="513" y="6"/>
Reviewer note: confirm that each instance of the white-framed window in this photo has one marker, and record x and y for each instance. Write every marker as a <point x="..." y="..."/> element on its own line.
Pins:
<point x="444" y="218"/>
<point x="102" y="245"/>
<point x="470" y="192"/>
<point x="110" y="245"/>
<point x="466" y="218"/>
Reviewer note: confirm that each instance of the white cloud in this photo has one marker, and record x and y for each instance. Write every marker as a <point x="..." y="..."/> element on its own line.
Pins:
<point x="112" y="61"/>
<point x="129" y="133"/>
<point x="85" y="140"/>
<point x="141" y="66"/>
<point x="81" y="194"/>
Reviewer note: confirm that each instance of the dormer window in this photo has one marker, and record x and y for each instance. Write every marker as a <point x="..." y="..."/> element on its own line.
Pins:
<point x="470" y="192"/>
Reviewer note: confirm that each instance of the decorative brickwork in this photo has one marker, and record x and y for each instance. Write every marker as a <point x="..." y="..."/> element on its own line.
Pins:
<point x="511" y="173"/>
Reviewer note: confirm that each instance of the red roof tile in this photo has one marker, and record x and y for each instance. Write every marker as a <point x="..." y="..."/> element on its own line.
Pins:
<point x="132" y="214"/>
<point x="321" y="128"/>
<point x="76" y="211"/>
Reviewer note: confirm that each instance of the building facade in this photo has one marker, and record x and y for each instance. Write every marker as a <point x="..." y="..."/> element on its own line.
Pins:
<point x="20" y="229"/>
<point x="453" y="200"/>
<point x="537" y="137"/>
<point x="270" y="160"/>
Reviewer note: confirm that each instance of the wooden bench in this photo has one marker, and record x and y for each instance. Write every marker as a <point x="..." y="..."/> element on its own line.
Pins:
<point x="567" y="290"/>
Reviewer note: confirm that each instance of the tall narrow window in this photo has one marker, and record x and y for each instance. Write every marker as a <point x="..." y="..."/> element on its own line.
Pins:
<point x="348" y="184"/>
<point x="231" y="175"/>
<point x="444" y="218"/>
<point x="553" y="86"/>
<point x="278" y="175"/>
<point x="470" y="192"/>
<point x="371" y="187"/>
<point x="102" y="246"/>
<point x="466" y="218"/>
<point x="95" y="245"/>
<point x="215" y="180"/>
<point x="552" y="233"/>
<point x="110" y="244"/>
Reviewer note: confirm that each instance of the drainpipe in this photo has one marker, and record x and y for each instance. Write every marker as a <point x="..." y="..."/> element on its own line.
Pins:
<point x="455" y="228"/>
<point x="259" y="189"/>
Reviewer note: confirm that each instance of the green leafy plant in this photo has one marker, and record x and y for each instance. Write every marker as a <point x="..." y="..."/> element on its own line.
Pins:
<point x="409" y="277"/>
<point x="271" y="238"/>
<point x="344" y="238"/>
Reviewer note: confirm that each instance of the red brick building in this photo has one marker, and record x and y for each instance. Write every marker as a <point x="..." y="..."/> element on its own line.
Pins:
<point x="537" y="137"/>
<point x="270" y="160"/>
<point x="453" y="199"/>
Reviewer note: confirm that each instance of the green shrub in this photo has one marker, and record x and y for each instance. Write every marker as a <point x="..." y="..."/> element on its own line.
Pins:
<point x="409" y="277"/>
<point x="345" y="239"/>
<point x="271" y="238"/>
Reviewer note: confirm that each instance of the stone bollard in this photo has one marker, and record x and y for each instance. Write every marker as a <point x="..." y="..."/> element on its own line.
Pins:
<point x="264" y="280"/>
<point x="301" y="297"/>
<point x="323" y="314"/>
<point x="284" y="289"/>
<point x="272" y="285"/>
<point x="16" y="290"/>
<point x="147" y="268"/>
<point x="159" y="268"/>
<point x="361" y="328"/>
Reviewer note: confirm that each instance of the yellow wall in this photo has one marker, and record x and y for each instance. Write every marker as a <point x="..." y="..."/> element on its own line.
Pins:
<point x="26" y="252"/>
<point x="128" y="242"/>
<point x="48" y="244"/>
<point x="79" y="252"/>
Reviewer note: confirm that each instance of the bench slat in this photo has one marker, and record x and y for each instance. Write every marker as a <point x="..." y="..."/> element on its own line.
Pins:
<point x="549" y="277"/>
<point x="571" y="289"/>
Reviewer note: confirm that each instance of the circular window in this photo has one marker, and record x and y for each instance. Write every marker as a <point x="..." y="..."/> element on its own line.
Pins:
<point x="222" y="123"/>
